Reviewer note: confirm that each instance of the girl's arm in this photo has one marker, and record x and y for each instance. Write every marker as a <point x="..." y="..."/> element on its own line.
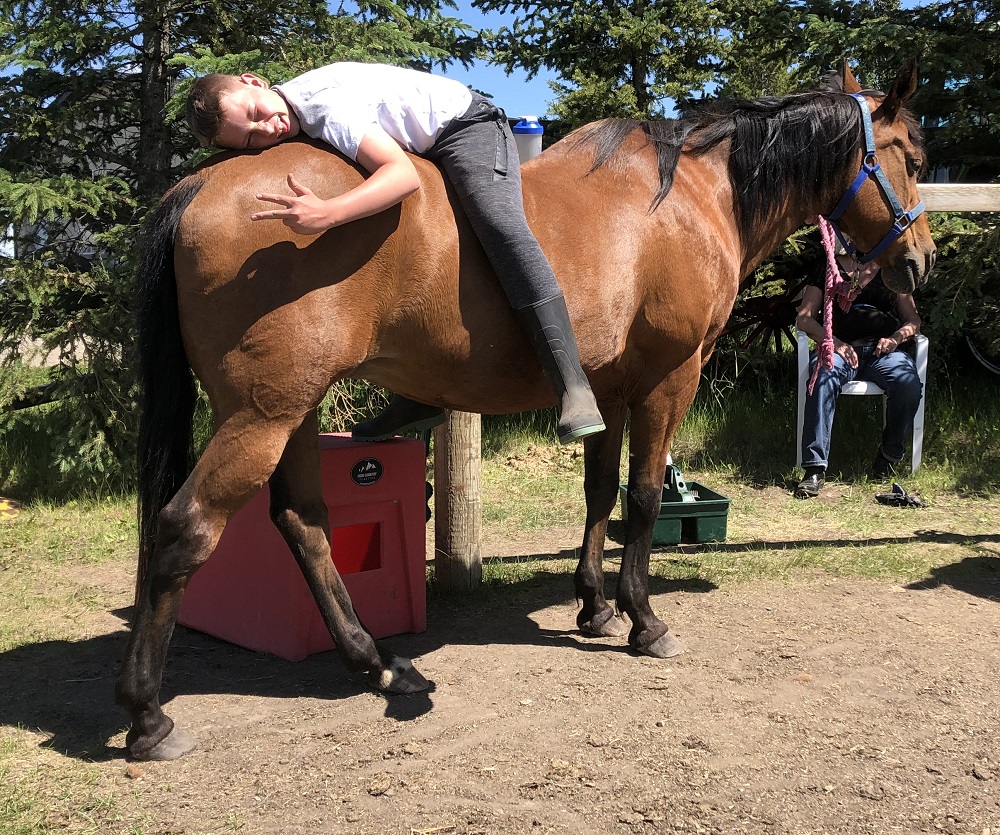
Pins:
<point x="393" y="177"/>
<point x="807" y="318"/>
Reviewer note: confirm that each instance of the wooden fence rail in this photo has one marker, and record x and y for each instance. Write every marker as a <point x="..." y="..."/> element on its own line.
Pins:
<point x="959" y="197"/>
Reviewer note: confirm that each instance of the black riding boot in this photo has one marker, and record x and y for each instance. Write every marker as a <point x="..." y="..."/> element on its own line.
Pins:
<point x="401" y="415"/>
<point x="547" y="323"/>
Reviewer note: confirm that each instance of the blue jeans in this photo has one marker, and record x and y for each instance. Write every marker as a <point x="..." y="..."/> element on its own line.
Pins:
<point x="895" y="374"/>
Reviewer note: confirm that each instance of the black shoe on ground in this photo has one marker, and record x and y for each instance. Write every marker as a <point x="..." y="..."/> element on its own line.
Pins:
<point x="812" y="482"/>
<point x="882" y="468"/>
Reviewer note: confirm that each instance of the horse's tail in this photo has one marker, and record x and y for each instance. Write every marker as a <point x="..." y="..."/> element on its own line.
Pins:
<point x="167" y="392"/>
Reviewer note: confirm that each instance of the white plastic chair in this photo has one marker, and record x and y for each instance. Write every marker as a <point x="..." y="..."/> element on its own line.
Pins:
<point x="864" y="387"/>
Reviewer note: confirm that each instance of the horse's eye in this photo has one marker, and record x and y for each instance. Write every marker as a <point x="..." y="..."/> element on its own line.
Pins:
<point x="913" y="165"/>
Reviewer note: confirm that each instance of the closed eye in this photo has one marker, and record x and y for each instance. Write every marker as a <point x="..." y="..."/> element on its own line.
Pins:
<point x="252" y="117"/>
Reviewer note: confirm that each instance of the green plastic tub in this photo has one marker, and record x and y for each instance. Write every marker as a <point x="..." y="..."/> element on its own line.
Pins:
<point x="688" y="512"/>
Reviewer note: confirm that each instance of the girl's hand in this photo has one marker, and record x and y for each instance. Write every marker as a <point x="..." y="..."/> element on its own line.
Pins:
<point x="304" y="213"/>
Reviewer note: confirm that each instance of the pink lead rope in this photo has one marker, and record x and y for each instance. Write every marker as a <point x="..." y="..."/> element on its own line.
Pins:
<point x="835" y="286"/>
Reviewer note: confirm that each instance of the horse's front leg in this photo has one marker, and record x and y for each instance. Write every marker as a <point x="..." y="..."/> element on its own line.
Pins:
<point x="652" y="428"/>
<point x="302" y="517"/>
<point x="602" y="459"/>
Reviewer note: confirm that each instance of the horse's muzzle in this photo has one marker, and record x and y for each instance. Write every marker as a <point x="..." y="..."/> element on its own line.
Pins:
<point x="910" y="271"/>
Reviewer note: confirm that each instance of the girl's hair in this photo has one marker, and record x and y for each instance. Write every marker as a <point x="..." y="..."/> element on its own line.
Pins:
<point x="203" y="111"/>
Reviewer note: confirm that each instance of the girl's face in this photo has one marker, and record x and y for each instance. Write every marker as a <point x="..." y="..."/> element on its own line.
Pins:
<point x="255" y="116"/>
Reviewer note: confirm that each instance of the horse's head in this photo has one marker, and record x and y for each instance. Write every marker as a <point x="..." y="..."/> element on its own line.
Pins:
<point x="881" y="211"/>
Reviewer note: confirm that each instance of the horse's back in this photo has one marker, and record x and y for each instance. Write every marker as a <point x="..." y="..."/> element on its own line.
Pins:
<point x="216" y="231"/>
<point x="354" y="301"/>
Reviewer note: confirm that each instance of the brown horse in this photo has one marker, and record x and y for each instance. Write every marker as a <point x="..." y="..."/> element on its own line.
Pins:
<point x="650" y="227"/>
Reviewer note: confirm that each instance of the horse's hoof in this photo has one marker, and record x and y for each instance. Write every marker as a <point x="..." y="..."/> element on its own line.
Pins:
<point x="401" y="677"/>
<point x="176" y="744"/>
<point x="611" y="626"/>
<point x="666" y="646"/>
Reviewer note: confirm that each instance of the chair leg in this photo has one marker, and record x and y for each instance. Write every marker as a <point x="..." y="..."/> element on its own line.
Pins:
<point x="918" y="435"/>
<point x="803" y="358"/>
<point x="922" y="346"/>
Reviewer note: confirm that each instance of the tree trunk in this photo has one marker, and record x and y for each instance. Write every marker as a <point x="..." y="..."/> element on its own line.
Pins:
<point x="155" y="148"/>
<point x="639" y="69"/>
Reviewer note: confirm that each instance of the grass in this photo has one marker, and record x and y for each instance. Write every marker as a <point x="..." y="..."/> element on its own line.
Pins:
<point x="43" y="792"/>
<point x="535" y="487"/>
<point x="42" y="555"/>
<point x="53" y="570"/>
<point x="720" y="567"/>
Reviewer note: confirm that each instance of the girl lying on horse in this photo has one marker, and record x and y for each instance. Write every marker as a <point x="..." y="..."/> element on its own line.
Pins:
<point x="372" y="113"/>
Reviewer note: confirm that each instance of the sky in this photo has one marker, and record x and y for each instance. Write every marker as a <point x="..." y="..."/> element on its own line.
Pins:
<point x="514" y="93"/>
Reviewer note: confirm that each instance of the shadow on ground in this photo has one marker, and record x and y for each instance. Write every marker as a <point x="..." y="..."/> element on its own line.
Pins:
<point x="616" y="532"/>
<point x="978" y="576"/>
<point x="66" y="688"/>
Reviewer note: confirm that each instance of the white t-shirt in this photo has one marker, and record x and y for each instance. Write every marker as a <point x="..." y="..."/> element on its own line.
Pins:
<point x="340" y="102"/>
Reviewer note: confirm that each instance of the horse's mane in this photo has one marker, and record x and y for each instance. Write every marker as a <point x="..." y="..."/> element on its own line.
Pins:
<point x="772" y="152"/>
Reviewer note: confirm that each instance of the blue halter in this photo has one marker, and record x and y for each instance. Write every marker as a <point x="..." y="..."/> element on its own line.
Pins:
<point x="871" y="168"/>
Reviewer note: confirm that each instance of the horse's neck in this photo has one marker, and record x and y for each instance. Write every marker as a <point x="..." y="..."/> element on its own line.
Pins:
<point x="757" y="251"/>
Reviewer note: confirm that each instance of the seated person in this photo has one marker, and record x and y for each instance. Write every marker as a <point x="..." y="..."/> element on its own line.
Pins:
<point x="867" y="340"/>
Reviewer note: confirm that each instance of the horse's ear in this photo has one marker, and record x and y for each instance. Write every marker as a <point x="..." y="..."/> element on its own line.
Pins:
<point x="902" y="88"/>
<point x="848" y="81"/>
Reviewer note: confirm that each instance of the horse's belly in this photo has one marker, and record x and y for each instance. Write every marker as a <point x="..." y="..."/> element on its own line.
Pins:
<point x="473" y="360"/>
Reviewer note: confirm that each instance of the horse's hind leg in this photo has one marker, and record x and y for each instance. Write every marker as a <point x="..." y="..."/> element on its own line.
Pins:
<point x="302" y="517"/>
<point x="237" y="461"/>
<point x="602" y="459"/>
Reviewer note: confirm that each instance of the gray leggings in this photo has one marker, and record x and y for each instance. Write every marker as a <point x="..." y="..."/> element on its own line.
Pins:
<point x="478" y="154"/>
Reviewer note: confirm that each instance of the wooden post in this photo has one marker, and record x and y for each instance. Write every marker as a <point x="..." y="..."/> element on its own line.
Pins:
<point x="458" y="502"/>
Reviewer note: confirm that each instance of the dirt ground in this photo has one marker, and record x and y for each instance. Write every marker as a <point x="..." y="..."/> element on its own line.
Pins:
<point x="817" y="705"/>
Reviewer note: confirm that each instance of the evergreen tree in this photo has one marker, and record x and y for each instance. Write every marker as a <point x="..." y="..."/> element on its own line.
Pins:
<point x="89" y="95"/>
<point x="630" y="58"/>
<point x="781" y="46"/>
